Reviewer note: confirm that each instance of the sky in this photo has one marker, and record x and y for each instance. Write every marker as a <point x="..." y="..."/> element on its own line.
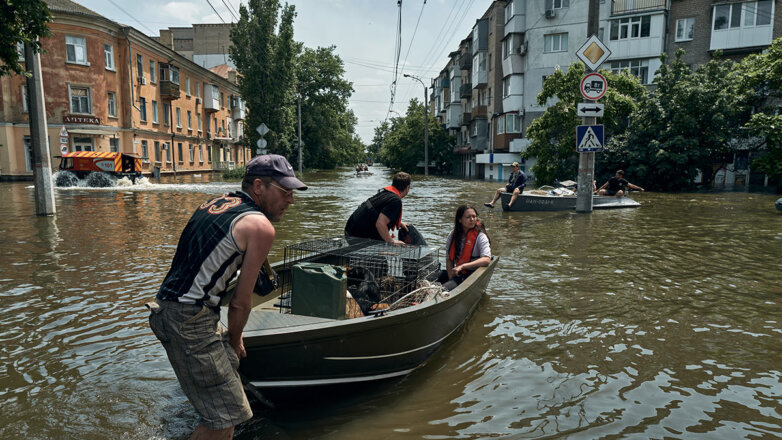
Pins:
<point x="363" y="32"/>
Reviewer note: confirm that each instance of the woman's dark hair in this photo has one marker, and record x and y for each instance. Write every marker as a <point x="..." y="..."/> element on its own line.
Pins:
<point x="458" y="233"/>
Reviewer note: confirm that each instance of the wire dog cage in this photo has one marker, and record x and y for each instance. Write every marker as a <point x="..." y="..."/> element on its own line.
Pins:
<point x="377" y="272"/>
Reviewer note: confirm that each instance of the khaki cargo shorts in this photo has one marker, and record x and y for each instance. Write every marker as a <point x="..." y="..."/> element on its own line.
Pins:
<point x="203" y="360"/>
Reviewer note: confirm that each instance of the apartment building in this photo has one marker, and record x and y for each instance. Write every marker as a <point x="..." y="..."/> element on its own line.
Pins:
<point x="516" y="44"/>
<point x="114" y="89"/>
<point x="204" y="44"/>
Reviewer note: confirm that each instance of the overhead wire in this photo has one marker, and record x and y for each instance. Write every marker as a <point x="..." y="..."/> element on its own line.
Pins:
<point x="213" y="8"/>
<point x="228" y="7"/>
<point x="132" y="17"/>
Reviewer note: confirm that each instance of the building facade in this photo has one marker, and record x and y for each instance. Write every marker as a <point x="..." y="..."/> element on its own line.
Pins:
<point x="113" y="89"/>
<point x="516" y="44"/>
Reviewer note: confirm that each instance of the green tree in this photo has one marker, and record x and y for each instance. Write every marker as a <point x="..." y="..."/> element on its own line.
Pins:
<point x="763" y="74"/>
<point x="264" y="60"/>
<point x="553" y="134"/>
<point x="685" y="125"/>
<point x="328" y="125"/>
<point x="404" y="142"/>
<point x="374" y="149"/>
<point x="23" y="22"/>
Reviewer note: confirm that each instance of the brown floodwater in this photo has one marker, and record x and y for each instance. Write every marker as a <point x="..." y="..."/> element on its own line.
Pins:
<point x="660" y="321"/>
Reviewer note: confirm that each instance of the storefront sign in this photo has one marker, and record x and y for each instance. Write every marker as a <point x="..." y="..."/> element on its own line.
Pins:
<point x="73" y="119"/>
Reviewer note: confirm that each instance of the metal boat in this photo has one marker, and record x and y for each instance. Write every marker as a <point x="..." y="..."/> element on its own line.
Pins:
<point x="286" y="350"/>
<point x="542" y="200"/>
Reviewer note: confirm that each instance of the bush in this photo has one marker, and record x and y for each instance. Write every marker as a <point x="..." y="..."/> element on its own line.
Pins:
<point x="236" y="173"/>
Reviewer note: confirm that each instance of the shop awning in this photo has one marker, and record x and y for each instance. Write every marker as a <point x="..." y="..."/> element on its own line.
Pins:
<point x="96" y="130"/>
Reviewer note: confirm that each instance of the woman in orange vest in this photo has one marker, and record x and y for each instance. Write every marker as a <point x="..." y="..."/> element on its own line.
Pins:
<point x="467" y="246"/>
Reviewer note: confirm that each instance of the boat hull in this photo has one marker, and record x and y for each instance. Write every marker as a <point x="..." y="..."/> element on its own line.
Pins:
<point x="534" y="202"/>
<point x="319" y="352"/>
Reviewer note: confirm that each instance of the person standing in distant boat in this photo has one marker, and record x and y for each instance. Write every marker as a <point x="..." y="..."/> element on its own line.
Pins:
<point x="224" y="234"/>
<point x="616" y="186"/>
<point x="381" y="213"/>
<point x="516" y="184"/>
<point x="467" y="248"/>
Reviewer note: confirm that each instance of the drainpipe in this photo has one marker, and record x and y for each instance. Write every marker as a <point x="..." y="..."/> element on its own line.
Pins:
<point x="130" y="62"/>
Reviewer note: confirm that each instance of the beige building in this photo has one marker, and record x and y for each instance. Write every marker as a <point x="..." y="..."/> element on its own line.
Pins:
<point x="112" y="88"/>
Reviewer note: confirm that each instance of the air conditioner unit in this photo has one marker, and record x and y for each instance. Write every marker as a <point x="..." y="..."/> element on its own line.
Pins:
<point x="142" y="80"/>
<point x="521" y="50"/>
<point x="198" y="101"/>
<point x="550" y="13"/>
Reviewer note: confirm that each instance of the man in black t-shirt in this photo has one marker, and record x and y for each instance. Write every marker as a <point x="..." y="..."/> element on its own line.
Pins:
<point x="616" y="186"/>
<point x="381" y="212"/>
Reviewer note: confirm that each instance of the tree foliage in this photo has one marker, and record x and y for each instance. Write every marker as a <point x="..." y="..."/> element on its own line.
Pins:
<point x="553" y="134"/>
<point x="276" y="71"/>
<point x="23" y="22"/>
<point x="403" y="142"/>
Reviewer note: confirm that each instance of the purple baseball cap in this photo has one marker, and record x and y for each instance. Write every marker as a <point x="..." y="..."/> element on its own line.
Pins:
<point x="276" y="167"/>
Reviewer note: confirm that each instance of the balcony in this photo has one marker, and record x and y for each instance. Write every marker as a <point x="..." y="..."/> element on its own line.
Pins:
<point x="169" y="90"/>
<point x="479" y="111"/>
<point x="465" y="61"/>
<point x="465" y="118"/>
<point x="465" y="91"/>
<point x="619" y="7"/>
<point x="238" y="107"/>
<point x="211" y="98"/>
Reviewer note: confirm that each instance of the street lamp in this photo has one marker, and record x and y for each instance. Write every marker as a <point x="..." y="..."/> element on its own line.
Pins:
<point x="426" y="123"/>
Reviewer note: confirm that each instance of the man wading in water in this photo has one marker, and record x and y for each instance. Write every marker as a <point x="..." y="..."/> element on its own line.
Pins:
<point x="224" y="234"/>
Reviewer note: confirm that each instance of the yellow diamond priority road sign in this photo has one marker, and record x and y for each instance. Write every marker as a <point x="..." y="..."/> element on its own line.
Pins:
<point x="593" y="53"/>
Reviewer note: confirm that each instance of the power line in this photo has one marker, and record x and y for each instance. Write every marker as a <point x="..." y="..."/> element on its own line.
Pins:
<point x="132" y="17"/>
<point x="228" y="6"/>
<point x="213" y="8"/>
<point x="413" y="37"/>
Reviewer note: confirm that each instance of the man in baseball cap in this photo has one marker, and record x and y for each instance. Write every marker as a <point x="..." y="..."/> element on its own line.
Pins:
<point x="225" y="234"/>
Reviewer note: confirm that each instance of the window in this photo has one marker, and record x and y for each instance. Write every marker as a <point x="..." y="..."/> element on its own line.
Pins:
<point x="167" y="147"/>
<point x="209" y="154"/>
<point x="166" y="114"/>
<point x="748" y="14"/>
<point x="157" y="151"/>
<point x="139" y="65"/>
<point x="179" y="117"/>
<point x="200" y="154"/>
<point x="20" y="50"/>
<point x="198" y="120"/>
<point x="154" y="112"/>
<point x="82" y="144"/>
<point x="179" y="151"/>
<point x="144" y="151"/>
<point x="28" y="153"/>
<point x="637" y="68"/>
<point x="108" y="51"/>
<point x="189" y="120"/>
<point x="80" y="100"/>
<point x="506" y="87"/>
<point x="221" y="100"/>
<point x="142" y="105"/>
<point x="488" y="97"/>
<point x="76" y="50"/>
<point x="223" y="124"/>
<point x="685" y="28"/>
<point x="112" y="104"/>
<point x="508" y="11"/>
<point x="152" y="71"/>
<point x="174" y="75"/>
<point x="479" y="62"/>
<point x="187" y="86"/>
<point x="489" y="62"/>
<point x="114" y="145"/>
<point x="512" y="123"/>
<point x="198" y="90"/>
<point x="500" y="124"/>
<point x="215" y="124"/>
<point x="557" y="4"/>
<point x="631" y="27"/>
<point x="192" y="153"/>
<point x="555" y="43"/>
<point x="25" y="109"/>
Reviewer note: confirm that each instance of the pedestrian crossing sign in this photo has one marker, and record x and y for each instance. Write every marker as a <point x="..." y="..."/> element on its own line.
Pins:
<point x="589" y="138"/>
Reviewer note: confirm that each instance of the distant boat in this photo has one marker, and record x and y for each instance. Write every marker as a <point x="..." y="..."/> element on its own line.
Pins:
<point x="549" y="198"/>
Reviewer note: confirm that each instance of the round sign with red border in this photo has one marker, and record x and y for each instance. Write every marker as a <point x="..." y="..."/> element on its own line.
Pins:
<point x="593" y="86"/>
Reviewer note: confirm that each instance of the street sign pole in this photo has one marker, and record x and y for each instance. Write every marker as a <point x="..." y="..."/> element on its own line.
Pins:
<point x="586" y="161"/>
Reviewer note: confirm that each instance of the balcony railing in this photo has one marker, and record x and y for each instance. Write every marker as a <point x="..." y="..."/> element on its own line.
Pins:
<point x="465" y="118"/>
<point x="465" y="61"/>
<point x="169" y="90"/>
<point x="479" y="110"/>
<point x="626" y="6"/>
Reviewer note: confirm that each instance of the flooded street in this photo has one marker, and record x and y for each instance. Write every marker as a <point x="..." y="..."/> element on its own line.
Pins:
<point x="660" y="321"/>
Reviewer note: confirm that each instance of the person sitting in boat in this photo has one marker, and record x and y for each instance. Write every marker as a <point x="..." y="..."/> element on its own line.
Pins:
<point x="516" y="183"/>
<point x="225" y="234"/>
<point x="616" y="186"/>
<point x="366" y="168"/>
<point x="381" y="213"/>
<point x="468" y="248"/>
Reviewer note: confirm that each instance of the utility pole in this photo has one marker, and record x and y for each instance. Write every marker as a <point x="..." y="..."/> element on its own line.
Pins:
<point x="426" y="123"/>
<point x="586" y="161"/>
<point x="299" y="142"/>
<point x="42" y="160"/>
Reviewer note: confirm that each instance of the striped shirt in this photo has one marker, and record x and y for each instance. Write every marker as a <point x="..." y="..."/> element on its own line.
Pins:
<point x="207" y="256"/>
